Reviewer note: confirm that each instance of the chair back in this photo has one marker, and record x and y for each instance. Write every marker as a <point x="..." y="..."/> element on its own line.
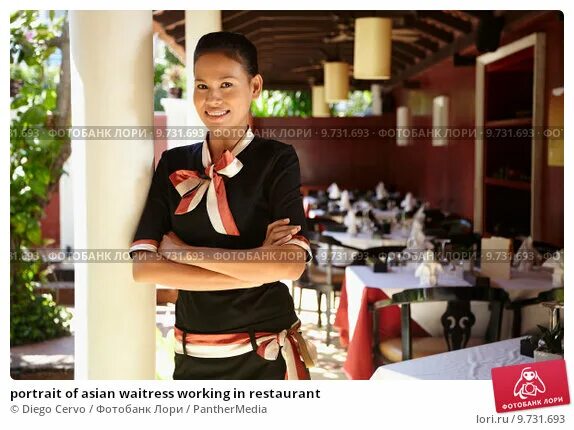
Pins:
<point x="457" y="320"/>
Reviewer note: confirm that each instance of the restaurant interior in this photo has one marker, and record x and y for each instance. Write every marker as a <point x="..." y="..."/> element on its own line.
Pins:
<point x="436" y="217"/>
<point x="453" y="179"/>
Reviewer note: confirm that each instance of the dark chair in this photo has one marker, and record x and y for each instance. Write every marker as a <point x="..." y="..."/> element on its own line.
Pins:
<point x="457" y="321"/>
<point x="326" y="273"/>
<point x="320" y="224"/>
<point x="553" y="298"/>
<point x="433" y="218"/>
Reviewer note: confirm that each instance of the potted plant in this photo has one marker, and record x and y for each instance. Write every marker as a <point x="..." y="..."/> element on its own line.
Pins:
<point x="549" y="343"/>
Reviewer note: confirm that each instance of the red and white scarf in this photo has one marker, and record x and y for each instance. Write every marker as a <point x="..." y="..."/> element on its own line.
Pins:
<point x="192" y="187"/>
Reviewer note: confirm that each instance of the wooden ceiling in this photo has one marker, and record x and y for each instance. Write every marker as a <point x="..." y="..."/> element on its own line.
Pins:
<point x="292" y="45"/>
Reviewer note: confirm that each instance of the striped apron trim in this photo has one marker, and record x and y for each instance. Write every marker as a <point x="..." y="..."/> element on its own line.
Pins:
<point x="298" y="354"/>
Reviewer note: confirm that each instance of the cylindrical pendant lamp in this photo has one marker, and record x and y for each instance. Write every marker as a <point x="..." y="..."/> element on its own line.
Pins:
<point x="403" y="126"/>
<point x="373" y="36"/>
<point x="336" y="78"/>
<point x="320" y="106"/>
<point x="440" y="120"/>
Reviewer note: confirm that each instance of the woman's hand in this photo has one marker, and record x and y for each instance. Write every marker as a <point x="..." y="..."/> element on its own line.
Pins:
<point x="171" y="245"/>
<point x="280" y="232"/>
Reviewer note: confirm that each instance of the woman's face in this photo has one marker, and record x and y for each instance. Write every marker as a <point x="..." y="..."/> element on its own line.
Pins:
<point x="223" y="91"/>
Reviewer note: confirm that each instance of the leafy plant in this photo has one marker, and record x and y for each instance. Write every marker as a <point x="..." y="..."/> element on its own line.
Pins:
<point x="275" y="103"/>
<point x="549" y="340"/>
<point x="169" y="78"/>
<point x="40" y="97"/>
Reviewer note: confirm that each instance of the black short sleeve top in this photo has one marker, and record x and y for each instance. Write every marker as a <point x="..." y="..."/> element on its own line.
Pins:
<point x="267" y="188"/>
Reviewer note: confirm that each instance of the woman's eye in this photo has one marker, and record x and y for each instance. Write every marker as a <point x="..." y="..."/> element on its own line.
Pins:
<point x="226" y="84"/>
<point x="201" y="86"/>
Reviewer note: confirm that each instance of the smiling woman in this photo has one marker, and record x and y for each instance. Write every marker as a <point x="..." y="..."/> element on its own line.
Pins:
<point x="233" y="191"/>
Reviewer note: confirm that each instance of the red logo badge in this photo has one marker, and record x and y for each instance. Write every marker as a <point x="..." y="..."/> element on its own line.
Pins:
<point x="529" y="386"/>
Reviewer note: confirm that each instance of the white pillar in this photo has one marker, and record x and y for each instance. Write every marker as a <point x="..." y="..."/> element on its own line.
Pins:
<point x="197" y="23"/>
<point x="112" y="85"/>
<point x="377" y="99"/>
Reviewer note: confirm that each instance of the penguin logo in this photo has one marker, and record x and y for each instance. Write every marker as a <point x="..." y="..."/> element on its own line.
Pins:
<point x="529" y="384"/>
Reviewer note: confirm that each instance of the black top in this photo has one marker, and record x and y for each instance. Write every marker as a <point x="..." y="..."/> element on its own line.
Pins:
<point x="266" y="189"/>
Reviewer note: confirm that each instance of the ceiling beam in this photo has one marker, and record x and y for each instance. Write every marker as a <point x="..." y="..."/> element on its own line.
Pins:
<point x="409" y="49"/>
<point x="433" y="31"/>
<point x="405" y="58"/>
<point x="446" y="19"/>
<point x="427" y="44"/>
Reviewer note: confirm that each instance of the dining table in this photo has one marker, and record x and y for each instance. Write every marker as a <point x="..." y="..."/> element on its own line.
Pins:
<point x="365" y="240"/>
<point x="362" y="287"/>
<point x="474" y="363"/>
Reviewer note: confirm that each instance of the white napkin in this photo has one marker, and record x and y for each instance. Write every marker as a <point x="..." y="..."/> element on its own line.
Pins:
<point x="526" y="256"/>
<point x="350" y="221"/>
<point x="381" y="191"/>
<point x="556" y="262"/>
<point x="409" y="203"/>
<point x="334" y="191"/>
<point x="417" y="239"/>
<point x="362" y="206"/>
<point x="420" y="215"/>
<point x="428" y="270"/>
<point x="345" y="201"/>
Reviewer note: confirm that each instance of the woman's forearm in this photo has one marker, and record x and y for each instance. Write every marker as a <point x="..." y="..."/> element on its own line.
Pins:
<point x="263" y="264"/>
<point x="154" y="269"/>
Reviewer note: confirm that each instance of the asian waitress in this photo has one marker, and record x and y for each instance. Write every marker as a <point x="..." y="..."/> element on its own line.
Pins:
<point x="234" y="195"/>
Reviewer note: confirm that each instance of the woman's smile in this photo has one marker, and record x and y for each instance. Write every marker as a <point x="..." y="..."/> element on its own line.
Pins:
<point x="217" y="115"/>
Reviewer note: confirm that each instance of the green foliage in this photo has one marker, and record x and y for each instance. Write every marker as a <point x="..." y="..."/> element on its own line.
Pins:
<point x="169" y="73"/>
<point x="274" y="103"/>
<point x="549" y="340"/>
<point x="33" y="153"/>
<point x="357" y="104"/>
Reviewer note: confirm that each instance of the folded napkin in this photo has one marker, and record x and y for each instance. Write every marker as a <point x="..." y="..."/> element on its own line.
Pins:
<point x="417" y="239"/>
<point x="362" y="206"/>
<point x="345" y="201"/>
<point x="381" y="192"/>
<point x="334" y="191"/>
<point x="526" y="256"/>
<point x="428" y="270"/>
<point x="556" y="262"/>
<point x="409" y="202"/>
<point x="351" y="222"/>
<point x="420" y="215"/>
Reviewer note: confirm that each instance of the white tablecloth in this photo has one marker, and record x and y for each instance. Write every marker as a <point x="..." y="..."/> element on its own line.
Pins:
<point x="365" y="240"/>
<point x="385" y="215"/>
<point x="427" y="315"/>
<point x="525" y="285"/>
<point x="468" y="363"/>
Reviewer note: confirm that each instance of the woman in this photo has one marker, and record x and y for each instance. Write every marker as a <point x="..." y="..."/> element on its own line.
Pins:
<point x="234" y="191"/>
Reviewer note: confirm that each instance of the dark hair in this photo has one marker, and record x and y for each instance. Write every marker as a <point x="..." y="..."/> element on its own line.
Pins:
<point x="233" y="45"/>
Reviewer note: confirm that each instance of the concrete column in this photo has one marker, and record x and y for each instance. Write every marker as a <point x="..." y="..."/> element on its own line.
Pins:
<point x="112" y="86"/>
<point x="197" y="23"/>
<point x="377" y="99"/>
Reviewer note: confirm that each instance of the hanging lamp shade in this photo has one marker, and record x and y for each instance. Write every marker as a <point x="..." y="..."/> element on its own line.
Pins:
<point x="440" y="120"/>
<point x="320" y="106"/>
<point x="403" y="126"/>
<point x="373" y="37"/>
<point x="336" y="78"/>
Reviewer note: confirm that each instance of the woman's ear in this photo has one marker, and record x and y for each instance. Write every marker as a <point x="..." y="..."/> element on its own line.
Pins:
<point x="256" y="86"/>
